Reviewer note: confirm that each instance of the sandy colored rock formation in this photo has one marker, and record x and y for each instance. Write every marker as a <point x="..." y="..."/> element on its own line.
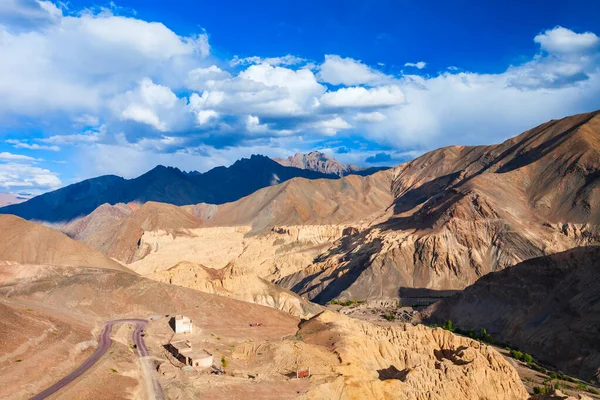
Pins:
<point x="408" y="362"/>
<point x="546" y="306"/>
<point x="29" y="243"/>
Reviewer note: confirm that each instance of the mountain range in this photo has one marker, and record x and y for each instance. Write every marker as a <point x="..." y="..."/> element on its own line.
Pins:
<point x="512" y="228"/>
<point x="321" y="162"/>
<point x="163" y="184"/>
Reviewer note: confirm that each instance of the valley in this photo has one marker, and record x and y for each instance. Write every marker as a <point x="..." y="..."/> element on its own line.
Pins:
<point x="348" y="276"/>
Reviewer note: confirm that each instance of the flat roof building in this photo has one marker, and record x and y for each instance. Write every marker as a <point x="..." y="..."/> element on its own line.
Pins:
<point x="183" y="324"/>
<point x="183" y="351"/>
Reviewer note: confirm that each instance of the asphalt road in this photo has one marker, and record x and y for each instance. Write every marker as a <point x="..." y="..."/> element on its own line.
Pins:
<point x="104" y="344"/>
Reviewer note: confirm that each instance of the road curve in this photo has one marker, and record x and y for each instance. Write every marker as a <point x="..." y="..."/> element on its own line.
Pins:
<point x="104" y="344"/>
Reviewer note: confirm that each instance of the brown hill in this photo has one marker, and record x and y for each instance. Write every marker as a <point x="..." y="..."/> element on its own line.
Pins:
<point x="318" y="161"/>
<point x="117" y="230"/>
<point x="547" y="306"/>
<point x="299" y="201"/>
<point x="462" y="212"/>
<point x="29" y="243"/>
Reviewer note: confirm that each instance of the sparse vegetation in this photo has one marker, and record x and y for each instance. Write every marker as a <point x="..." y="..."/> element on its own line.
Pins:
<point x="114" y="371"/>
<point x="524" y="357"/>
<point x="18" y="361"/>
<point x="390" y="316"/>
<point x="224" y="362"/>
<point x="345" y="303"/>
<point x="593" y="391"/>
<point x="448" y="325"/>
<point x="540" y="390"/>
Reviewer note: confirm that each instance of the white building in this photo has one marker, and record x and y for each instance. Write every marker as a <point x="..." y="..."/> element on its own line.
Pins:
<point x="183" y="324"/>
<point x="184" y="352"/>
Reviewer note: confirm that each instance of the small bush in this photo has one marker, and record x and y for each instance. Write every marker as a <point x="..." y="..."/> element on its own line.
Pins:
<point x="448" y="325"/>
<point x="224" y="362"/>
<point x="18" y="360"/>
<point x="593" y="391"/>
<point x="389" y="316"/>
<point x="540" y="390"/>
<point x="582" y="386"/>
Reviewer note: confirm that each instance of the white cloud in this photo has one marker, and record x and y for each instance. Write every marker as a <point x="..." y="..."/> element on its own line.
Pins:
<point x="274" y="61"/>
<point x="18" y="144"/>
<point x="15" y="157"/>
<point x="151" y="104"/>
<point x="206" y="116"/>
<point x="331" y="126"/>
<point x="15" y="176"/>
<point x="418" y="65"/>
<point x="349" y="72"/>
<point x="128" y="86"/>
<point x="88" y="137"/>
<point x="565" y="41"/>
<point x="374" y="116"/>
<point x="360" y="97"/>
<point x="76" y="64"/>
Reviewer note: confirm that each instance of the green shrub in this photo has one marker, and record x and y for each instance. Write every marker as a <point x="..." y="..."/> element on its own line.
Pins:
<point x="527" y="358"/>
<point x="224" y="362"/>
<point x="389" y="316"/>
<point x="539" y="390"/>
<point x="593" y="391"/>
<point x="448" y="325"/>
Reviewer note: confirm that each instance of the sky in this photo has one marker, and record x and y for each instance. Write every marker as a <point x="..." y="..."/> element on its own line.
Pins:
<point x="92" y="88"/>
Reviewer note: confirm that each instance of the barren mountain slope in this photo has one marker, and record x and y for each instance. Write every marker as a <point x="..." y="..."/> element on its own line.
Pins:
<point x="547" y="306"/>
<point x="321" y="162"/>
<point x="461" y="212"/>
<point x="117" y="230"/>
<point x="29" y="243"/>
<point x="348" y="359"/>
<point x="350" y="200"/>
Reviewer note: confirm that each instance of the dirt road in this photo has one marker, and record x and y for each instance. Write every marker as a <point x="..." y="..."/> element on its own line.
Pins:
<point x="104" y="343"/>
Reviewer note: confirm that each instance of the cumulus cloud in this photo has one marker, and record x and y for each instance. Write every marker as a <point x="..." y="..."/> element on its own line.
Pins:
<point x="117" y="86"/>
<point x="331" y="126"/>
<point x="565" y="41"/>
<point x="418" y="65"/>
<point x="360" y="97"/>
<point x="374" y="116"/>
<point x="349" y="72"/>
<point x="285" y="60"/>
<point x="16" y="176"/>
<point x="568" y="58"/>
<point x="75" y="64"/>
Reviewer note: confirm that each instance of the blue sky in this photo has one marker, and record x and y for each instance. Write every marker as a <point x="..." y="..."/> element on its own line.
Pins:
<point x="90" y="88"/>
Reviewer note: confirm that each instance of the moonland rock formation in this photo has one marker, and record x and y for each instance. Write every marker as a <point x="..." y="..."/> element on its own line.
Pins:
<point x="163" y="184"/>
<point x="462" y="212"/>
<point x="321" y="162"/>
<point x="439" y="222"/>
<point x="29" y="243"/>
<point x="408" y="362"/>
<point x="62" y="309"/>
<point x="547" y="306"/>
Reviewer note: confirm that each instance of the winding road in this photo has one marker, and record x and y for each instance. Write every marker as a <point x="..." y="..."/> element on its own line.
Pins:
<point x="152" y="385"/>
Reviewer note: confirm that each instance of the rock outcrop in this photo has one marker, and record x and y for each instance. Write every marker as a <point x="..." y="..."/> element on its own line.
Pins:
<point x="547" y="306"/>
<point x="408" y="362"/>
<point x="29" y="243"/>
